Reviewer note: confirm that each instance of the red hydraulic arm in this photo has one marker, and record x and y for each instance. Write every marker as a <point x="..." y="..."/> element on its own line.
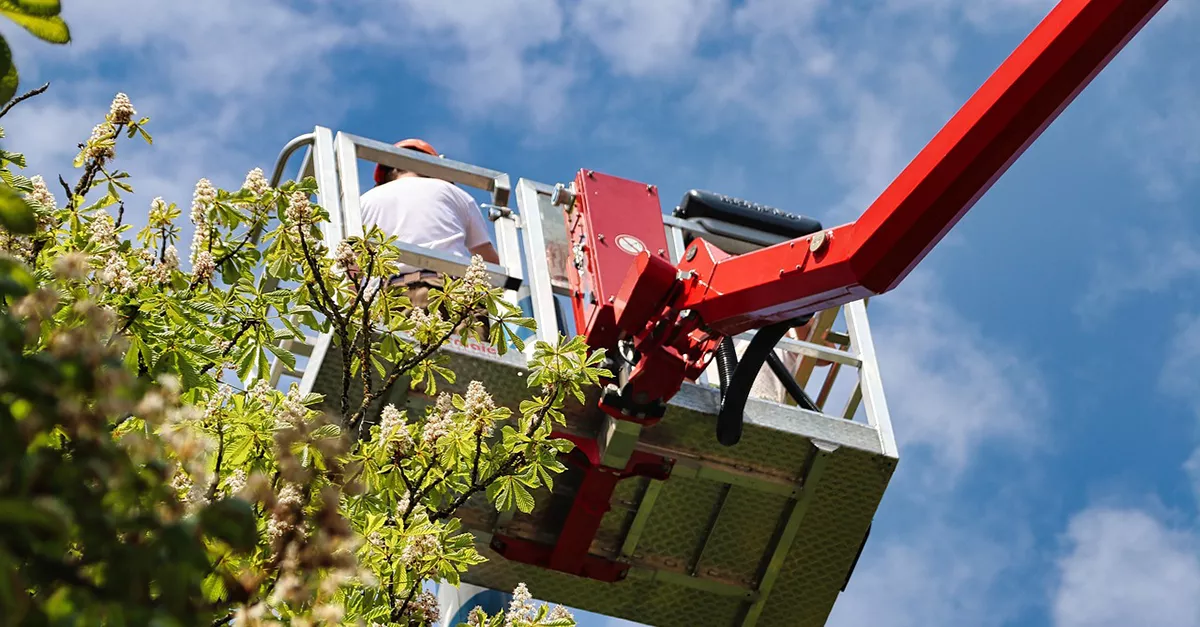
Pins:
<point x="664" y="321"/>
<point x="720" y="295"/>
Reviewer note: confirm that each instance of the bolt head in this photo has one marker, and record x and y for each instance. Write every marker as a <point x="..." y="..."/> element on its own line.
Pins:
<point x="817" y="241"/>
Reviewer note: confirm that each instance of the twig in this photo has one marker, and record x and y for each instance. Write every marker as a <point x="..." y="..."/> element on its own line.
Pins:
<point x="398" y="613"/>
<point x="120" y="214"/>
<point x="403" y="367"/>
<point x="509" y="467"/>
<point x="25" y="96"/>
<point x="246" y="325"/>
<point x="212" y="487"/>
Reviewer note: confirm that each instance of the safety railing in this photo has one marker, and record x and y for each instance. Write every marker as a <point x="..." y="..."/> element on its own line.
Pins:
<point x="532" y="243"/>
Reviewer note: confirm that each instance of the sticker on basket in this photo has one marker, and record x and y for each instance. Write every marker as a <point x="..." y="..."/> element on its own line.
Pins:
<point x="630" y="244"/>
<point x="474" y="345"/>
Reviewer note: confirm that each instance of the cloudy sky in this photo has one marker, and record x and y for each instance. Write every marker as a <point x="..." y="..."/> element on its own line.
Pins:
<point x="1040" y="366"/>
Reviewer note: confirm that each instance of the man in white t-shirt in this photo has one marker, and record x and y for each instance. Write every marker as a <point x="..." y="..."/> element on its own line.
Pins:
<point x="426" y="212"/>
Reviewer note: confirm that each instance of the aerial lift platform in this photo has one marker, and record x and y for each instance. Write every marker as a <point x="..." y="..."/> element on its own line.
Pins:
<point x="688" y="503"/>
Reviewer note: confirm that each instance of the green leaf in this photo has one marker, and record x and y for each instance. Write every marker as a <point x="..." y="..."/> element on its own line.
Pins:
<point x="40" y="8"/>
<point x="284" y="355"/>
<point x="232" y="521"/>
<point x="50" y="29"/>
<point x="524" y="499"/>
<point x="8" y="73"/>
<point x="47" y="516"/>
<point x="15" y="214"/>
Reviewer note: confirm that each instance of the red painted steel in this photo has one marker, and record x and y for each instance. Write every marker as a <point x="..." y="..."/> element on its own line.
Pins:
<point x="612" y="221"/>
<point x="676" y="315"/>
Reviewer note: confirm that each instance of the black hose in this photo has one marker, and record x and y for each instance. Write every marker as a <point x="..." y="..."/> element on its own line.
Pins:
<point x="727" y="362"/>
<point x="789" y="383"/>
<point x="733" y="403"/>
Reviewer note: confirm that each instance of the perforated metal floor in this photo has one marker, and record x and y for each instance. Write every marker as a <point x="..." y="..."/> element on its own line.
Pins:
<point x="765" y="532"/>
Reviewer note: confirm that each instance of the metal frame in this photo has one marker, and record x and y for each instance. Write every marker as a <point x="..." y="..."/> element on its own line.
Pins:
<point x="521" y="242"/>
<point x="350" y="148"/>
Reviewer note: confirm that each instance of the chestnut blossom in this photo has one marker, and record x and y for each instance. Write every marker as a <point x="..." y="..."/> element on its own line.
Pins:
<point x="160" y="273"/>
<point x="103" y="229"/>
<point x="476" y="276"/>
<point x="40" y="194"/>
<point x="425" y="608"/>
<point x="299" y="208"/>
<point x="72" y="266"/>
<point x="256" y="182"/>
<point x="291" y="411"/>
<point x="99" y="146"/>
<point x="437" y="427"/>
<point x="261" y="392"/>
<point x="346" y="258"/>
<point x="521" y="606"/>
<point x="236" y="482"/>
<point x="393" y="431"/>
<point x="122" y="110"/>
<point x="116" y="275"/>
<point x="419" y="547"/>
<point x="204" y="266"/>
<point x="202" y="199"/>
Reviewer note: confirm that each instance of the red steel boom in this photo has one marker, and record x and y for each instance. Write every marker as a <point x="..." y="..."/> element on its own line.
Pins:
<point x="669" y="319"/>
<point x="722" y="295"/>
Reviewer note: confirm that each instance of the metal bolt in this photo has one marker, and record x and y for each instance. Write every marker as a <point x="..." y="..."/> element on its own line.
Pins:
<point x="650" y="189"/>
<point x="661" y="251"/>
<point x="781" y="272"/>
<point x="612" y="299"/>
<point x="563" y="196"/>
<point x="600" y="236"/>
<point x="691" y="253"/>
<point x="817" y="242"/>
<point x="590" y="174"/>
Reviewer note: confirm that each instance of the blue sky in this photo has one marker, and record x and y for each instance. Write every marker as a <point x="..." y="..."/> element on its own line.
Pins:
<point x="1039" y="365"/>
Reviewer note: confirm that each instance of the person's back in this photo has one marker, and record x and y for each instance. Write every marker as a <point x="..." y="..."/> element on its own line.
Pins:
<point x="426" y="212"/>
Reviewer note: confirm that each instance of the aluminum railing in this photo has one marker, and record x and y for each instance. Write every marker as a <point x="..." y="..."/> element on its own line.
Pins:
<point x="531" y="241"/>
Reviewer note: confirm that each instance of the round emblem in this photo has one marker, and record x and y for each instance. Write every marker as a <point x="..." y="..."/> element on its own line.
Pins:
<point x="630" y="244"/>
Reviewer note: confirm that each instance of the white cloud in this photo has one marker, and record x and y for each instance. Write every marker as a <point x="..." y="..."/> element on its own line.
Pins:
<point x="1141" y="262"/>
<point x="640" y="38"/>
<point x="217" y="79"/>
<point x="486" y="55"/>
<point x="938" y="575"/>
<point x="952" y="389"/>
<point x="1124" y="567"/>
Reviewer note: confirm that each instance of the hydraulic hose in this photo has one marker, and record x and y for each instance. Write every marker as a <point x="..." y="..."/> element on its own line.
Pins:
<point x="727" y="362"/>
<point x="736" y="389"/>
<point x="789" y="383"/>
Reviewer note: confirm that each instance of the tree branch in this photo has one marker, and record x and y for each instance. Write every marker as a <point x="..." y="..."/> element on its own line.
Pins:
<point x="212" y="487"/>
<point x="246" y="325"/>
<point x="25" y="96"/>
<point x="509" y="467"/>
<point x="403" y="367"/>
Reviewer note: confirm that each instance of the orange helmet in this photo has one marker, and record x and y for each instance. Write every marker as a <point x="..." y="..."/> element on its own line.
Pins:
<point x="414" y="144"/>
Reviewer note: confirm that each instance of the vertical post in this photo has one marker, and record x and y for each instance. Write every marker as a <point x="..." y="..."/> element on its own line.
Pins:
<point x="347" y="171"/>
<point x="508" y="248"/>
<point x="541" y="291"/>
<point x="869" y="379"/>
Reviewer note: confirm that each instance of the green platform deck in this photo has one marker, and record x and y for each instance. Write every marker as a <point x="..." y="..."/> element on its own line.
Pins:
<point x="764" y="532"/>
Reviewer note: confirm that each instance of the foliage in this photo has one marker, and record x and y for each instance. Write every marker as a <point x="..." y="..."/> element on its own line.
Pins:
<point x="140" y="483"/>
<point x="39" y="17"/>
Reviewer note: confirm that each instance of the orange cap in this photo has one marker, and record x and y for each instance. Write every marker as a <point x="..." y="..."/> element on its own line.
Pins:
<point x="414" y="144"/>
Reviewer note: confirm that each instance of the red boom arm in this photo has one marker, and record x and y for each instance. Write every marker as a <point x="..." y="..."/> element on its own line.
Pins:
<point x="725" y="295"/>
<point x="626" y="291"/>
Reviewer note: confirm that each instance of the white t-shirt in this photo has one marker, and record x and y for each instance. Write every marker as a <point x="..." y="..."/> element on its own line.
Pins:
<point x="427" y="212"/>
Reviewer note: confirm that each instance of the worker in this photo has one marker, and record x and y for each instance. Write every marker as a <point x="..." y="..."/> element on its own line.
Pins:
<point x="427" y="212"/>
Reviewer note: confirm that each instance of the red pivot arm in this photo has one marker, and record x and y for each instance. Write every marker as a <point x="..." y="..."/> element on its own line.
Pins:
<point x="674" y="316"/>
